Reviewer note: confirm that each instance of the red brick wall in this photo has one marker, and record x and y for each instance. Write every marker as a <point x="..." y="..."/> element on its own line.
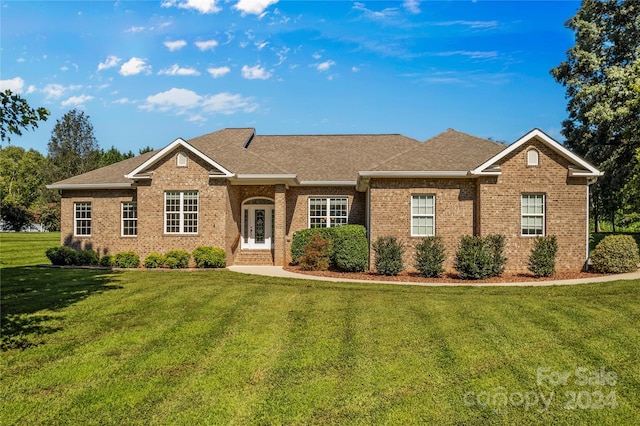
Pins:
<point x="566" y="206"/>
<point x="390" y="213"/>
<point x="106" y="211"/>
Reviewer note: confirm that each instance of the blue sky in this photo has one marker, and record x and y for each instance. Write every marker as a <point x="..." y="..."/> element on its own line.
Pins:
<point x="148" y="72"/>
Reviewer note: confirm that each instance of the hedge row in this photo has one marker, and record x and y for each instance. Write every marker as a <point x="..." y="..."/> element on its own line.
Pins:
<point x="203" y="256"/>
<point x="476" y="257"/>
<point x="348" y="248"/>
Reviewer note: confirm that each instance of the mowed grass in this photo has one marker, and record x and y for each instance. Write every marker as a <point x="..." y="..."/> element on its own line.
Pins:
<point x="216" y="347"/>
<point x="22" y="249"/>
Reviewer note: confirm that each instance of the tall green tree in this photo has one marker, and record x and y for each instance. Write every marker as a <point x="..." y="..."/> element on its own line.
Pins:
<point x="73" y="148"/>
<point x="113" y="155"/>
<point x="21" y="175"/>
<point x="16" y="115"/>
<point x="600" y="74"/>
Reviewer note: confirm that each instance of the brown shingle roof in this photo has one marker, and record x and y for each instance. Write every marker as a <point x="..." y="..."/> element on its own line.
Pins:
<point x="318" y="157"/>
<point x="448" y="151"/>
<point x="111" y="174"/>
<point x="328" y="157"/>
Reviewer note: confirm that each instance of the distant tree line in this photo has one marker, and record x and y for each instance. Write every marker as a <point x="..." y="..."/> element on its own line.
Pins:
<point x="72" y="150"/>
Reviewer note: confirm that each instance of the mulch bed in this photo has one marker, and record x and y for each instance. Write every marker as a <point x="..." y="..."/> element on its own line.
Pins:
<point x="447" y="278"/>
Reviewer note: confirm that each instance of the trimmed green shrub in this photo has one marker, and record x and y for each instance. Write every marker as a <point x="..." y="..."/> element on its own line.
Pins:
<point x="87" y="258"/>
<point x="350" y="248"/>
<point x="388" y="256"/>
<point x="317" y="254"/>
<point x="429" y="257"/>
<point x="301" y="238"/>
<point x="126" y="259"/>
<point x="154" y="260"/>
<point x="542" y="260"/>
<point x="495" y="245"/>
<point x="62" y="255"/>
<point x="615" y="254"/>
<point x="475" y="258"/>
<point x="107" y="261"/>
<point x="177" y="259"/>
<point x="209" y="257"/>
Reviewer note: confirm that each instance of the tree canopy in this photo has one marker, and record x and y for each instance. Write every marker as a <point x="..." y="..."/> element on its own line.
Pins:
<point x="601" y="76"/>
<point x="73" y="148"/>
<point x="16" y="115"/>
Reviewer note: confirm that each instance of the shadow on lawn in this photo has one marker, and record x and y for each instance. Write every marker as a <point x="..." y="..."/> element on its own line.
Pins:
<point x="27" y="291"/>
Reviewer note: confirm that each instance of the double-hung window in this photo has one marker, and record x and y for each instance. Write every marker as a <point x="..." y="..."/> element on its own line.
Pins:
<point x="82" y="219"/>
<point x="423" y="215"/>
<point x="129" y="219"/>
<point x="325" y="212"/>
<point x="181" y="212"/>
<point x="532" y="211"/>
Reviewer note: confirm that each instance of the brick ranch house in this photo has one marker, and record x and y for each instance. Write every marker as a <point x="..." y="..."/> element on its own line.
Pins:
<point x="249" y="193"/>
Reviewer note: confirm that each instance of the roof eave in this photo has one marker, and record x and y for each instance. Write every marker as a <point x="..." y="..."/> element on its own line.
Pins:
<point x="89" y="186"/>
<point x="262" y="179"/>
<point x="414" y="174"/>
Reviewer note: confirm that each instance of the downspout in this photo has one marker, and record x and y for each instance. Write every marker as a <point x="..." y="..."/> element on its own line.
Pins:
<point x="590" y="181"/>
<point x="368" y="220"/>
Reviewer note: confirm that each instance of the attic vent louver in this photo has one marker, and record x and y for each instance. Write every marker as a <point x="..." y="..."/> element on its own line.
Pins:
<point x="246" y="144"/>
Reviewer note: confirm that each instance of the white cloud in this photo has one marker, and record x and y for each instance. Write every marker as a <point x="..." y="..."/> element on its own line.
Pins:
<point x="324" y="66"/>
<point x="260" y="46"/>
<point x="122" y="101"/>
<point x="172" y="98"/>
<point x="206" y="45"/>
<point x="471" y="54"/>
<point x="14" y="84"/>
<point x="218" y="72"/>
<point x="384" y="14"/>
<point x="202" y="6"/>
<point x="183" y="101"/>
<point x="31" y="89"/>
<point x="76" y="100"/>
<point x="412" y="6"/>
<point x="110" y="62"/>
<point x="134" y="66"/>
<point x="355" y="69"/>
<point x="254" y="7"/>
<point x="316" y="56"/>
<point x="176" y="70"/>
<point x="255" y="73"/>
<point x="175" y="45"/>
<point x="55" y="91"/>
<point x="228" y="103"/>
<point x="134" y="30"/>
<point x="471" y="24"/>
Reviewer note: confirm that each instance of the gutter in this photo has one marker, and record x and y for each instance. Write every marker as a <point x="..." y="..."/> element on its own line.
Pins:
<point x="90" y="186"/>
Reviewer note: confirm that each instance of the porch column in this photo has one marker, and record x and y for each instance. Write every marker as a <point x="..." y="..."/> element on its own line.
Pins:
<point x="280" y="226"/>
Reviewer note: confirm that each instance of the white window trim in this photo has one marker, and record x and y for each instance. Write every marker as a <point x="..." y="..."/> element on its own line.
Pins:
<point x="181" y="159"/>
<point x="543" y="215"/>
<point x="181" y="214"/>
<point x="433" y="215"/>
<point x="122" y="219"/>
<point x="327" y="201"/>
<point x="76" y="219"/>
<point x="537" y="155"/>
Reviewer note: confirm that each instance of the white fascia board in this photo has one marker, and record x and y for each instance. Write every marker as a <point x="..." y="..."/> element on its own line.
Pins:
<point x="546" y="139"/>
<point x="264" y="176"/>
<point x="413" y="174"/>
<point x="171" y="147"/>
<point x="328" y="182"/>
<point x="89" y="186"/>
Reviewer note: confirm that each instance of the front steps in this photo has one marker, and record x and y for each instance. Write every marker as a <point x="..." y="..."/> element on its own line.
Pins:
<point x="254" y="258"/>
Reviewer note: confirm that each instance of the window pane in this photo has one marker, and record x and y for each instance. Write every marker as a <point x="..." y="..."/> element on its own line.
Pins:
<point x="82" y="218"/>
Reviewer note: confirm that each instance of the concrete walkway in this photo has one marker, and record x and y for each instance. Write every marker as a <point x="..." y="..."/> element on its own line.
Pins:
<point x="278" y="271"/>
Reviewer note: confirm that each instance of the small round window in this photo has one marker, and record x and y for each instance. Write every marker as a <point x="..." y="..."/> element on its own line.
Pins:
<point x="182" y="160"/>
<point x="532" y="157"/>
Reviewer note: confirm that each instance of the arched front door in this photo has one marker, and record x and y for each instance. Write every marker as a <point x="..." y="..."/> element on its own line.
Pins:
<point x="257" y="224"/>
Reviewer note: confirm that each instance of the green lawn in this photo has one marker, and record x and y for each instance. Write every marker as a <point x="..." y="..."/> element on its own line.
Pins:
<point x="23" y="249"/>
<point x="216" y="347"/>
